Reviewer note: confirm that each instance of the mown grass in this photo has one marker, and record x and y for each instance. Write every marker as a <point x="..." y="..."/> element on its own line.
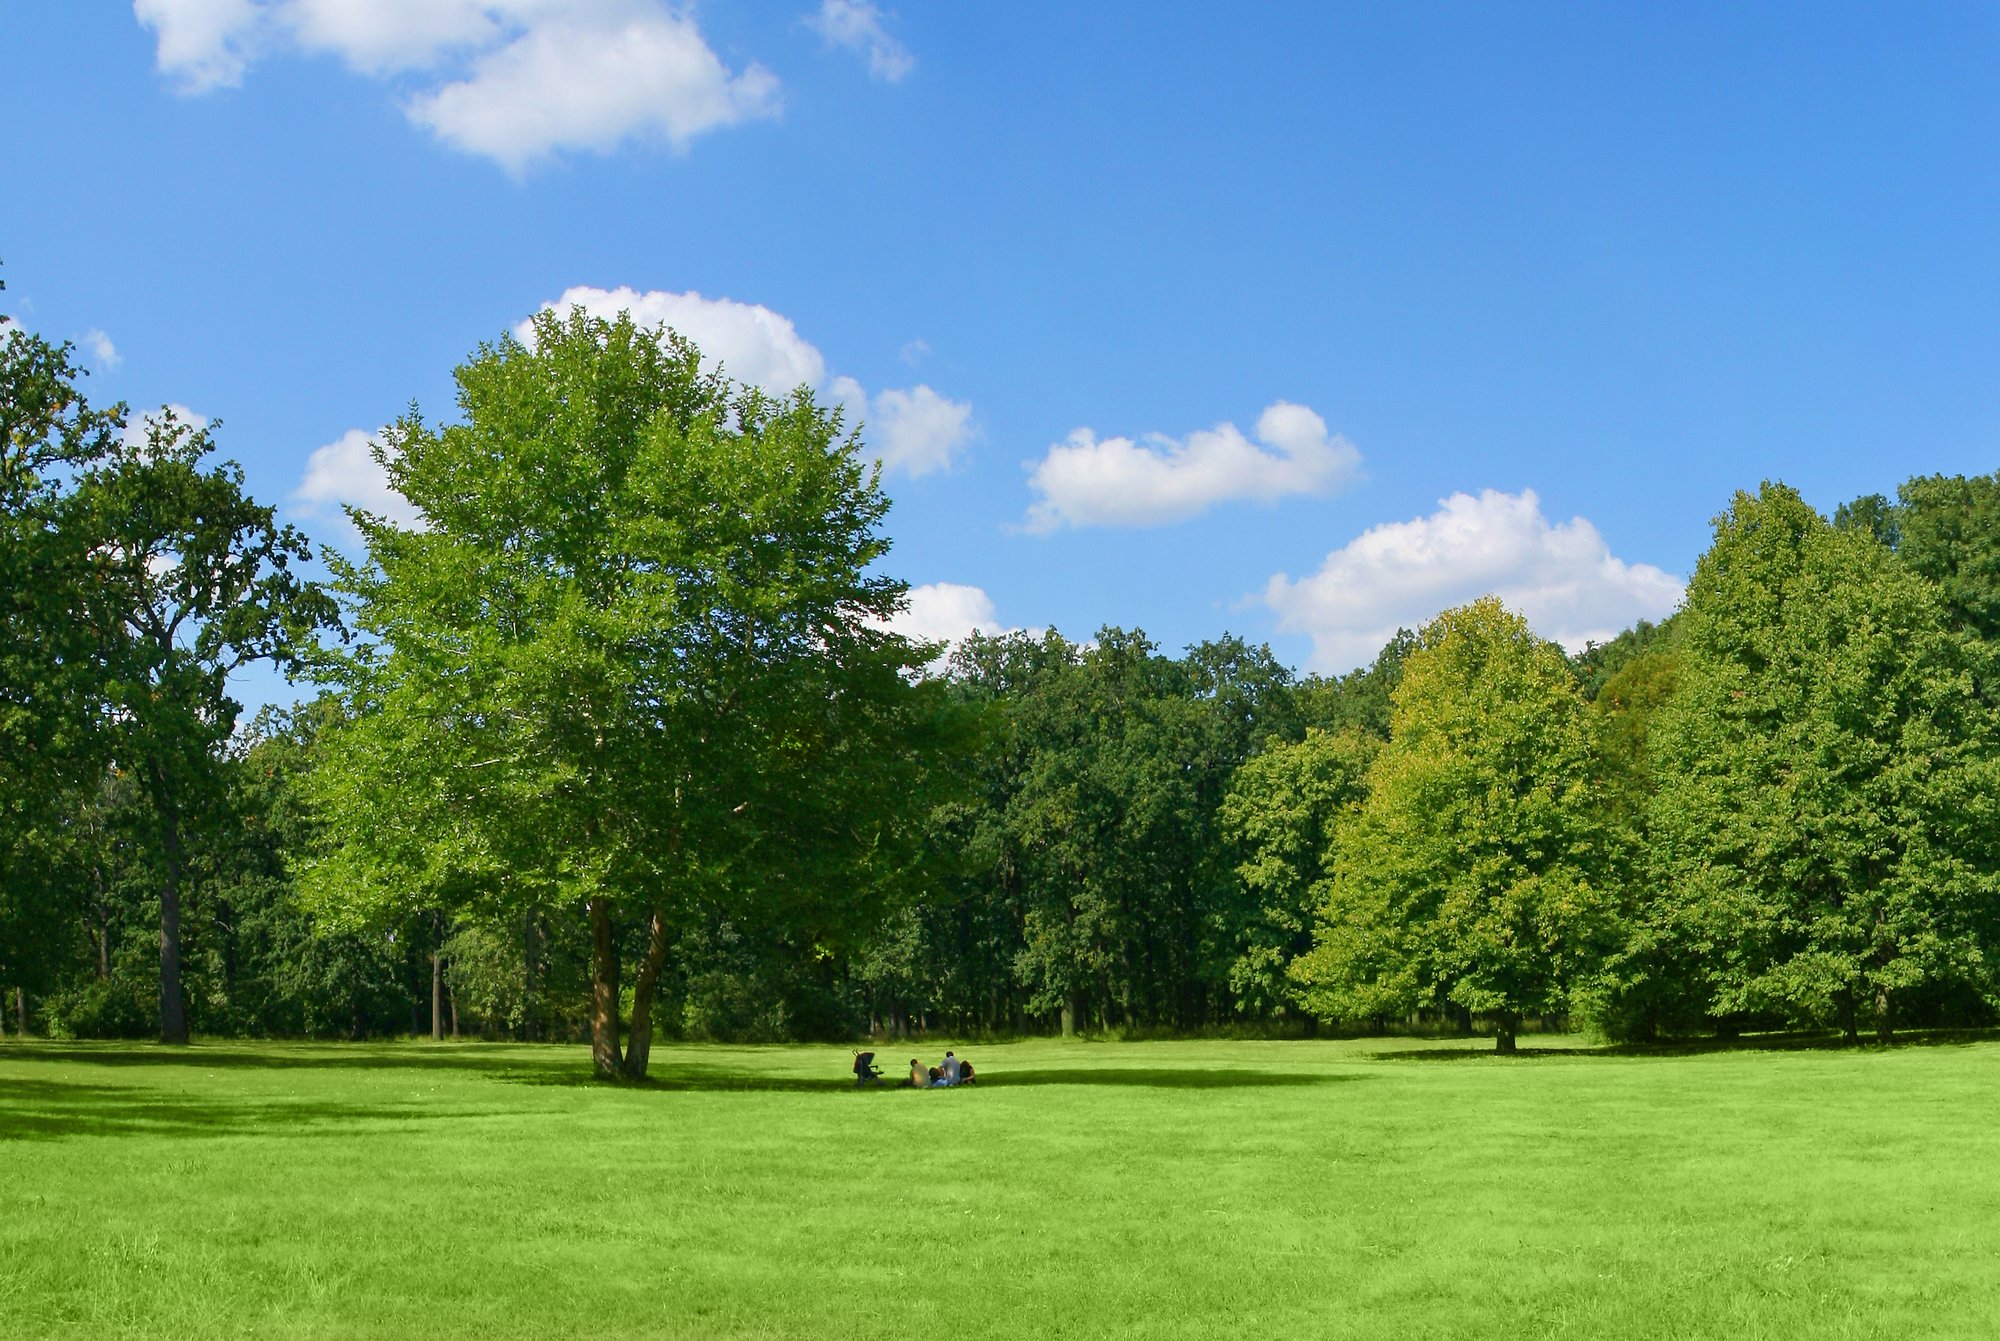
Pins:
<point x="1340" y="1189"/>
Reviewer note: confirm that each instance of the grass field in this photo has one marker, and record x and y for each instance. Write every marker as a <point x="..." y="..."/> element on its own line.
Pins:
<point x="1358" y="1188"/>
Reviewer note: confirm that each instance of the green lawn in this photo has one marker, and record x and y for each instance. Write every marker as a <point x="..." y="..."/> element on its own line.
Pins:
<point x="1359" y="1188"/>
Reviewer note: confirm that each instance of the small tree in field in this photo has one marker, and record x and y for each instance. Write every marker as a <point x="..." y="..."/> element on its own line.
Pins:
<point x="1474" y="871"/>
<point x="632" y="666"/>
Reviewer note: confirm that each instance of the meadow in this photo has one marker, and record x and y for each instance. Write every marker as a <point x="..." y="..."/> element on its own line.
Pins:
<point x="1354" y="1188"/>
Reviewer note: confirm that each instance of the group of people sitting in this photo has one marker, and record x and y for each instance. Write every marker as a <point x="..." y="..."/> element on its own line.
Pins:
<point x="953" y="1070"/>
<point x="950" y="1071"/>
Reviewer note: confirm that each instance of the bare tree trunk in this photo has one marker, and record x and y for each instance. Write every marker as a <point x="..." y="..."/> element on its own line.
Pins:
<point x="1069" y="1014"/>
<point x="639" y="1032"/>
<point x="451" y="1002"/>
<point x="173" y="1004"/>
<point x="1885" y="1017"/>
<point x="1504" y="1025"/>
<point x="21" y="1011"/>
<point x="437" y="997"/>
<point x="604" y="1060"/>
<point x="1850" y="1031"/>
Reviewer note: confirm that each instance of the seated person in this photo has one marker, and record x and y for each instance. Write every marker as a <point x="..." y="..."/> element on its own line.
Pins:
<point x="919" y="1077"/>
<point x="950" y="1068"/>
<point x="935" y="1076"/>
<point x="965" y="1076"/>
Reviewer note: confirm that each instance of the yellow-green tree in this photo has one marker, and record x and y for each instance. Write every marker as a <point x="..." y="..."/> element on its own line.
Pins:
<point x="1476" y="872"/>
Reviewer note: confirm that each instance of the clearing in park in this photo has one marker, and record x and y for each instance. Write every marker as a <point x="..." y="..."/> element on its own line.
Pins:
<point x="1363" y="1188"/>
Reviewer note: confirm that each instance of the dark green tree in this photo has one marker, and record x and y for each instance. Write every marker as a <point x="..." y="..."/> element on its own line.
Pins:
<point x="1821" y="838"/>
<point x="633" y="664"/>
<point x="188" y="580"/>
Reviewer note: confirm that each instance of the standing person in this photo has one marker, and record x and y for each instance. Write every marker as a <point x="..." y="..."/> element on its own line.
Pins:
<point x="919" y="1075"/>
<point x="950" y="1068"/>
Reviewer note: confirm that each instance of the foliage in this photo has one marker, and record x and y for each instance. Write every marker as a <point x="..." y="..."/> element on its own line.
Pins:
<point x="1821" y="835"/>
<point x="1282" y="816"/>
<point x="635" y="662"/>
<point x="1476" y="870"/>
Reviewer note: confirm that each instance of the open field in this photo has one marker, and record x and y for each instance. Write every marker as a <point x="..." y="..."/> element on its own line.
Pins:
<point x="1355" y="1188"/>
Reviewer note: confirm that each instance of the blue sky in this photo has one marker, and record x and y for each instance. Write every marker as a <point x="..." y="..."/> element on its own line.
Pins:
<point x="1299" y="321"/>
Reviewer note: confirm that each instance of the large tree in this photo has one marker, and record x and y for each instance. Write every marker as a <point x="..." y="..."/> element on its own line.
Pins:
<point x="187" y="579"/>
<point x="633" y="663"/>
<point x="1822" y="836"/>
<point x="48" y="753"/>
<point x="1476" y="870"/>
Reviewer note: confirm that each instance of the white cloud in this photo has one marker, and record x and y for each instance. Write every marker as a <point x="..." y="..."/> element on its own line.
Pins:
<point x="857" y="25"/>
<point x="1088" y="481"/>
<point x="345" y="472"/>
<point x="918" y="431"/>
<point x="102" y="352"/>
<point x="1563" y="578"/>
<point x="945" y="612"/>
<point x="583" y="85"/>
<point x="202" y="44"/>
<point x="913" y="430"/>
<point x="512" y="80"/>
<point x="915" y="352"/>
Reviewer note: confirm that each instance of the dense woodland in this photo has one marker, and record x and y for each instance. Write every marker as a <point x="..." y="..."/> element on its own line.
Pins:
<point x="617" y="744"/>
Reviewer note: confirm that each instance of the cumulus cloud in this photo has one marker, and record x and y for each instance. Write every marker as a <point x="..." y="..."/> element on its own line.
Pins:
<point x="1562" y="577"/>
<point x="857" y="25"/>
<point x="1090" y="481"/>
<point x="912" y="430"/>
<point x="945" y="612"/>
<point x="202" y="44"/>
<point x="102" y="352"/>
<point x="511" y="80"/>
<point x="345" y="473"/>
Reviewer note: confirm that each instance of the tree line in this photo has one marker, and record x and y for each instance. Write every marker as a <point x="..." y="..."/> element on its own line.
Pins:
<point x="617" y="742"/>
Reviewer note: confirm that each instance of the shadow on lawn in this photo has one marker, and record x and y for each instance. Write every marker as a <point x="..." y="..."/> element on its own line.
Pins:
<point x="53" y="1110"/>
<point x="1814" y="1041"/>
<point x="699" y="1078"/>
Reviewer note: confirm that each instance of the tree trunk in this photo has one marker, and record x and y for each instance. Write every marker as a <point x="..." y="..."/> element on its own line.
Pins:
<point x="639" y="1034"/>
<point x="437" y="997"/>
<point x="1885" y="1017"/>
<point x="21" y="1011"/>
<point x="1504" y="1026"/>
<point x="173" y="1005"/>
<point x="1069" y="1014"/>
<point x="1850" y="1030"/>
<point x="604" y="1059"/>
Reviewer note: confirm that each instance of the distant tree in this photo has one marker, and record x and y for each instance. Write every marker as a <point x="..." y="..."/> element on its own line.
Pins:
<point x="634" y="664"/>
<point x="1284" y="809"/>
<point x="49" y="754"/>
<point x="1822" y="833"/>
<point x="1360" y="699"/>
<point x="1947" y="528"/>
<point x="187" y="580"/>
<point x="1475" y="871"/>
<point x="1599" y="663"/>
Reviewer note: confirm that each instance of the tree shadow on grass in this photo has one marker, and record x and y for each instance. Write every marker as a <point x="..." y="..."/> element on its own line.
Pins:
<point x="53" y="1110"/>
<point x="680" y="1077"/>
<point x="1803" y="1041"/>
<point x="291" y="1056"/>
